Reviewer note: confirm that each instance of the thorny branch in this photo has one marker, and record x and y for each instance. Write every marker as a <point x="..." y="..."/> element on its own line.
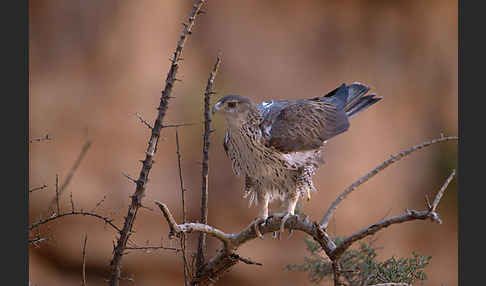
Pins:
<point x="136" y="198"/>
<point x="205" y="168"/>
<point x="227" y="256"/>
<point x="55" y="216"/>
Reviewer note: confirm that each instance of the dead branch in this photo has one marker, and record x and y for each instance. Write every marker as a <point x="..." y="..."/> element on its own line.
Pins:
<point x="136" y="198"/>
<point x="394" y="158"/>
<point x="84" y="259"/>
<point x="205" y="167"/>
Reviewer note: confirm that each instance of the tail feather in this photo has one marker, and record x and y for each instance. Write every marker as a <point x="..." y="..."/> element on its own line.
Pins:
<point x="363" y="103"/>
<point x="351" y="98"/>
<point x="356" y="91"/>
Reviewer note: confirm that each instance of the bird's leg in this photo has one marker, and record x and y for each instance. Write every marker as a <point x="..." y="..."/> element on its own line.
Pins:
<point x="288" y="210"/>
<point x="263" y="201"/>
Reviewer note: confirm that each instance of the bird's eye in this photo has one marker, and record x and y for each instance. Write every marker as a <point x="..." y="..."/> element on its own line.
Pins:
<point x="231" y="104"/>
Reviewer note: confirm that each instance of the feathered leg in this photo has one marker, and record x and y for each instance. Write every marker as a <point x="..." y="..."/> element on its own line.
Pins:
<point x="288" y="209"/>
<point x="263" y="201"/>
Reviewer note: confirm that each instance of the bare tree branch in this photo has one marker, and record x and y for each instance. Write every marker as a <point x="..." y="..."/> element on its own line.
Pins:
<point x="136" y="198"/>
<point x="394" y="158"/>
<point x="205" y="167"/>
<point x="227" y="257"/>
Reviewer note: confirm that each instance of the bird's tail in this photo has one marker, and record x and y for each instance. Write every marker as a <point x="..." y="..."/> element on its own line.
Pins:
<point x="351" y="98"/>
<point x="357" y="101"/>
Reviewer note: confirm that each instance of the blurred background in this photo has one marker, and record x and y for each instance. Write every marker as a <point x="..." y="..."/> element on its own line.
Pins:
<point x="93" y="64"/>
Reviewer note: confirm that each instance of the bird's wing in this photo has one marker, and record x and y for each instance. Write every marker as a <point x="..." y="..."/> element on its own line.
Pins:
<point x="304" y="124"/>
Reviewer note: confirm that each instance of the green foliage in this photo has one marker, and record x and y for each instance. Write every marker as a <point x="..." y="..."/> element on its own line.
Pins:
<point x="359" y="266"/>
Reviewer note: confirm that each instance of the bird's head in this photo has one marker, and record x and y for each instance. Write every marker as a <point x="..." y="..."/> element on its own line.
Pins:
<point x="234" y="108"/>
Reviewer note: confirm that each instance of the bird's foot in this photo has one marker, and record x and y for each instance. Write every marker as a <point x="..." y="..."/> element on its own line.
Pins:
<point x="256" y="224"/>
<point x="285" y="217"/>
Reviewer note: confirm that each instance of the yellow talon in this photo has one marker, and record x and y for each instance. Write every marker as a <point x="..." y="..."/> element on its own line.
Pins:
<point x="308" y="194"/>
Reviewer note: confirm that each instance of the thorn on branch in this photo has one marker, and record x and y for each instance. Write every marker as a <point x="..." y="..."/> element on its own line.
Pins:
<point x="144" y="121"/>
<point x="130" y="178"/>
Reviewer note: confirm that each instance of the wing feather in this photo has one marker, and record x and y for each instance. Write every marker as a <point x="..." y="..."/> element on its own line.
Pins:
<point x="305" y="124"/>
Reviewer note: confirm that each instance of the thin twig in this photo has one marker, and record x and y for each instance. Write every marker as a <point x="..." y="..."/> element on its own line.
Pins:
<point x="143" y="120"/>
<point x="205" y="167"/>
<point x="394" y="158"/>
<point x="84" y="259"/>
<point x="183" y="200"/>
<point x="38" y="188"/>
<point x="44" y="138"/>
<point x="70" y="175"/>
<point x="136" y="198"/>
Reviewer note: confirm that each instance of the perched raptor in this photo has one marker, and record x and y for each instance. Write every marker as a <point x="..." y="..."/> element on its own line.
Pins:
<point x="276" y="145"/>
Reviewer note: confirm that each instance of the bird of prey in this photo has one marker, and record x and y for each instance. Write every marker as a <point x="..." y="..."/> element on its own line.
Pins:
<point x="276" y="145"/>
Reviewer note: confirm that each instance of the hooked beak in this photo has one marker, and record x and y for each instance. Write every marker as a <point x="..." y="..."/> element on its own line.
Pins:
<point x="217" y="107"/>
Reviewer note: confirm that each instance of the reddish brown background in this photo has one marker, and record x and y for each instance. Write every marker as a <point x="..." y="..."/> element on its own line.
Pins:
<point x="95" y="63"/>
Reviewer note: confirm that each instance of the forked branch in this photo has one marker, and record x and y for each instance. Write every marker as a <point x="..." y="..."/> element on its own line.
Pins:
<point x="227" y="256"/>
